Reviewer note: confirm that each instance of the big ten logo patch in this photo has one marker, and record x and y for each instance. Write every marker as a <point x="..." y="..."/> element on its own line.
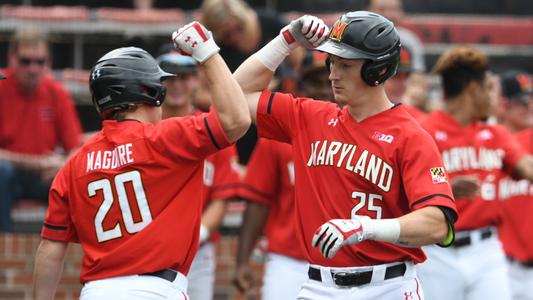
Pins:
<point x="383" y="137"/>
<point x="209" y="173"/>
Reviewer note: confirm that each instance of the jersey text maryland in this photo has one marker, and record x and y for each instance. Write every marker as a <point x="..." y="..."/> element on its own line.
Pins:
<point x="363" y="163"/>
<point x="469" y="158"/>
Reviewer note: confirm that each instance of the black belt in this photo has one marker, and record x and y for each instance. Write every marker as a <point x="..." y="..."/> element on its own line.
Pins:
<point x="166" y="274"/>
<point x="467" y="240"/>
<point x="351" y="279"/>
<point x="527" y="264"/>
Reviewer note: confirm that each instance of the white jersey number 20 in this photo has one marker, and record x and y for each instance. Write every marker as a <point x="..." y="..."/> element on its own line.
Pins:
<point x="119" y="182"/>
<point x="371" y="201"/>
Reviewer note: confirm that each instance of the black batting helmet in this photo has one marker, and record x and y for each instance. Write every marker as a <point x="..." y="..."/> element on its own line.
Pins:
<point x="126" y="76"/>
<point x="369" y="36"/>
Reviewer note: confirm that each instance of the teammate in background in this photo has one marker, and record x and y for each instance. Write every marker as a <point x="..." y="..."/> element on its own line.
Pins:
<point x="474" y="154"/>
<point x="220" y="178"/>
<point x="370" y="187"/>
<point x="517" y="196"/>
<point x="269" y="189"/>
<point x="130" y="195"/>
<point x="412" y="91"/>
<point x="37" y="116"/>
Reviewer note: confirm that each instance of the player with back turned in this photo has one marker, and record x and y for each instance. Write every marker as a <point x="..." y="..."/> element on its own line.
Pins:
<point x="130" y="195"/>
<point x="370" y="186"/>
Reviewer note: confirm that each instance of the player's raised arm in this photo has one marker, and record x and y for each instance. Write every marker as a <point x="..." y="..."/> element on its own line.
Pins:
<point x="254" y="74"/>
<point x="227" y="97"/>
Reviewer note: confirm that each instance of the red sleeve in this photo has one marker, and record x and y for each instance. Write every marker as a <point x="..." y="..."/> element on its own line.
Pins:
<point x="57" y="222"/>
<point x="226" y="179"/>
<point x="423" y="174"/>
<point x="262" y="175"/>
<point x="68" y="125"/>
<point x="512" y="149"/>
<point x="275" y="116"/>
<point x="191" y="137"/>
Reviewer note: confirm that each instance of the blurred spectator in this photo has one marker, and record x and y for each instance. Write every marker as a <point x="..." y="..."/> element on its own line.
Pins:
<point x="220" y="178"/>
<point x="393" y="10"/>
<point x="515" y="101"/>
<point x="240" y="31"/>
<point x="314" y="77"/>
<point x="37" y="116"/>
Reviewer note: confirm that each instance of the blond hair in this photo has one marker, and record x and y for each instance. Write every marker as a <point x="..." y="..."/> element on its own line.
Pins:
<point x="29" y="36"/>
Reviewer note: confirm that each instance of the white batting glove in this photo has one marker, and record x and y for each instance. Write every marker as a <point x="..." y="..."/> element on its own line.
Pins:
<point x="335" y="233"/>
<point x="195" y="40"/>
<point x="307" y="31"/>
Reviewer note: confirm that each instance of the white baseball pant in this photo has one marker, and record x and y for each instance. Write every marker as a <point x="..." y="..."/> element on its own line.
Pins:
<point x="283" y="277"/>
<point x="202" y="273"/>
<point x="477" y="271"/>
<point x="521" y="281"/>
<point x="402" y="287"/>
<point x="135" y="287"/>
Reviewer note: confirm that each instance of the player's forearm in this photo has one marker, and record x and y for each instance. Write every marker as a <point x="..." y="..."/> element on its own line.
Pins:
<point x="228" y="98"/>
<point x="423" y="227"/>
<point x="48" y="268"/>
<point x="253" y="76"/>
<point x="254" y="219"/>
<point x="524" y="168"/>
<point x="214" y="214"/>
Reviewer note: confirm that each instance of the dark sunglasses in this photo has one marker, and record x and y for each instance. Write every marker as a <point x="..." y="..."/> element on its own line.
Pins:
<point x="26" y="61"/>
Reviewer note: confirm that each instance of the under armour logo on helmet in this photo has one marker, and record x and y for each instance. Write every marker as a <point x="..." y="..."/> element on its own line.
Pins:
<point x="95" y="74"/>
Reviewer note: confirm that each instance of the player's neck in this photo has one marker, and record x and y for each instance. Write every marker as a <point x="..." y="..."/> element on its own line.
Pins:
<point x="460" y="110"/>
<point x="178" y="111"/>
<point x="368" y="104"/>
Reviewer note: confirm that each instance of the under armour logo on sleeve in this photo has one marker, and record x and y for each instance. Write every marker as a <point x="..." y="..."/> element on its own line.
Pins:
<point x="333" y="122"/>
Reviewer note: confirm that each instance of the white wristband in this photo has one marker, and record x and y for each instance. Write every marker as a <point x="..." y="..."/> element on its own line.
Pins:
<point x="204" y="233"/>
<point x="273" y="53"/>
<point x="387" y="230"/>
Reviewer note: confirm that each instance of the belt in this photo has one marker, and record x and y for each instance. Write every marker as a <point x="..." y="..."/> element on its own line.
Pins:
<point x="351" y="279"/>
<point x="467" y="240"/>
<point x="527" y="264"/>
<point x="166" y="274"/>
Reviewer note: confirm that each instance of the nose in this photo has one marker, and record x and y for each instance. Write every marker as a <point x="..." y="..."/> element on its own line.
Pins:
<point x="333" y="73"/>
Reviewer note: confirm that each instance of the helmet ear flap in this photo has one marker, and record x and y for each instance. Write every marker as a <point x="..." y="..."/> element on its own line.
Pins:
<point x="375" y="73"/>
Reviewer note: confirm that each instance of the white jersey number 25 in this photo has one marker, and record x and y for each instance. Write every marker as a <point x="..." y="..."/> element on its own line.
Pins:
<point x="372" y="203"/>
<point x="120" y="180"/>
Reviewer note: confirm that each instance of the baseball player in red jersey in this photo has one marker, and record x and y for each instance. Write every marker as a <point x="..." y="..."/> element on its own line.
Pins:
<point x="474" y="154"/>
<point x="130" y="196"/>
<point x="517" y="196"/>
<point x="370" y="186"/>
<point x="220" y="178"/>
<point x="269" y="189"/>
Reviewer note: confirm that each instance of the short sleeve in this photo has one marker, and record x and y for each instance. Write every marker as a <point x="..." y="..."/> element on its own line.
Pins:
<point x="512" y="149"/>
<point x="276" y="116"/>
<point x="226" y="175"/>
<point x="262" y="175"/>
<point x="191" y="137"/>
<point x="423" y="174"/>
<point x="58" y="225"/>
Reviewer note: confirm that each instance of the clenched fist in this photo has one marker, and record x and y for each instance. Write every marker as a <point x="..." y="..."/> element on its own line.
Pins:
<point x="195" y="40"/>
<point x="334" y="234"/>
<point x="308" y="31"/>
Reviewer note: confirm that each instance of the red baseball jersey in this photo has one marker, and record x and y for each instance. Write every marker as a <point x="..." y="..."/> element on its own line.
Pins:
<point x="383" y="167"/>
<point x="37" y="123"/>
<point x="416" y="113"/>
<point x="221" y="179"/>
<point x="270" y="181"/>
<point x="478" y="149"/>
<point x="132" y="195"/>
<point x="517" y="208"/>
